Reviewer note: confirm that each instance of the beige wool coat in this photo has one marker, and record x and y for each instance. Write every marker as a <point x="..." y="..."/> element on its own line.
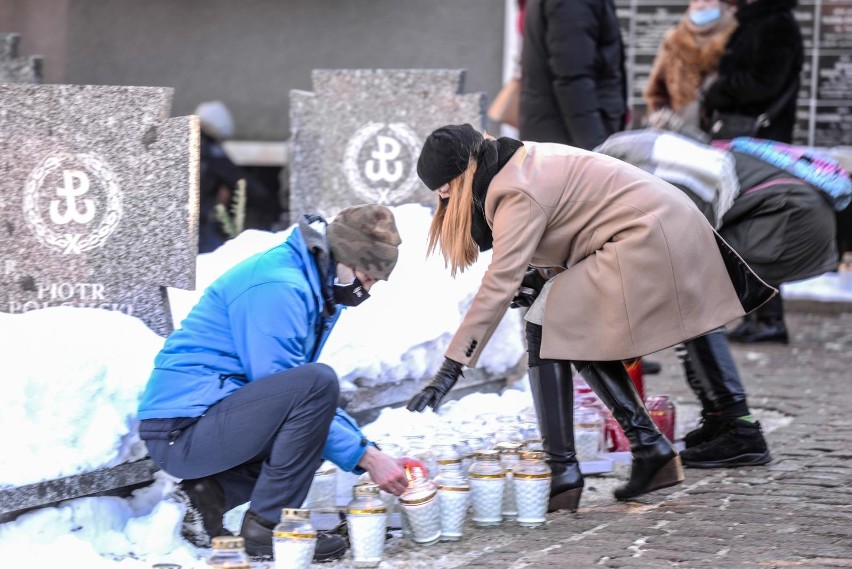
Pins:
<point x="644" y="269"/>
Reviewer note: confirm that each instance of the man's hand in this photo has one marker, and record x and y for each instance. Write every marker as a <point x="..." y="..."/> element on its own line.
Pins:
<point x="384" y="470"/>
<point x="432" y="394"/>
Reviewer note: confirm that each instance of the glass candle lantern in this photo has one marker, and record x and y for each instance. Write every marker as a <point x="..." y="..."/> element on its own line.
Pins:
<point x="421" y="508"/>
<point x="532" y="479"/>
<point x="294" y="539"/>
<point x="509" y="458"/>
<point x="229" y="552"/>
<point x="366" y="520"/>
<point x="487" y="480"/>
<point x="454" y="497"/>
<point x="662" y="411"/>
<point x="588" y="432"/>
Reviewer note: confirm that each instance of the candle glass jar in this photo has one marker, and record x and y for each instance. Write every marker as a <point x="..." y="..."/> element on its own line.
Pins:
<point x="323" y="488"/>
<point x="447" y="458"/>
<point x="294" y="539"/>
<point x="532" y="478"/>
<point x="509" y="458"/>
<point x="662" y="411"/>
<point x="421" y="508"/>
<point x="588" y="432"/>
<point x="229" y="552"/>
<point x="454" y="497"/>
<point x="487" y="480"/>
<point x="366" y="520"/>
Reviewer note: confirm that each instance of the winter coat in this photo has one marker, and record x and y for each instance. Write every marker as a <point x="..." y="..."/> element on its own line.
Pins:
<point x="217" y="183"/>
<point x="688" y="55"/>
<point x="645" y="270"/>
<point x="573" y="79"/>
<point x="762" y="59"/>
<point x="781" y="226"/>
<point x="263" y="316"/>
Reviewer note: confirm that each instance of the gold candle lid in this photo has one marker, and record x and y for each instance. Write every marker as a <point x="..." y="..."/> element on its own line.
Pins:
<point x="533" y="455"/>
<point x="300" y="513"/>
<point x="228" y="542"/>
<point x="487" y="455"/>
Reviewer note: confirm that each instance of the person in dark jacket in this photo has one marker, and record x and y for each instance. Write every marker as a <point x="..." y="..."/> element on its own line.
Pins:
<point x="219" y="177"/>
<point x="781" y="226"/>
<point x="237" y="406"/>
<point x="762" y="62"/>
<point x="574" y="88"/>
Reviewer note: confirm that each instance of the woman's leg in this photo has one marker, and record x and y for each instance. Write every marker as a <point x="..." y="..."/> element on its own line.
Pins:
<point x="552" y="389"/>
<point x="656" y="463"/>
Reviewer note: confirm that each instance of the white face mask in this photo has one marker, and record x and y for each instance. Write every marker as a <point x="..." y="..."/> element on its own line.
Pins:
<point x="706" y="16"/>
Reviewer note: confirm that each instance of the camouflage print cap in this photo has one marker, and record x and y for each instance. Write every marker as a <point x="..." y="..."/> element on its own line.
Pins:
<point x="364" y="237"/>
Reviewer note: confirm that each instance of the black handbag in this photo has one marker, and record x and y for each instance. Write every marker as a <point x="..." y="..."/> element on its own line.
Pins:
<point x="726" y="125"/>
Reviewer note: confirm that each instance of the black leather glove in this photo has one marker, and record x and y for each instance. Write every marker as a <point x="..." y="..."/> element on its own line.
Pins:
<point x="432" y="394"/>
<point x="530" y="287"/>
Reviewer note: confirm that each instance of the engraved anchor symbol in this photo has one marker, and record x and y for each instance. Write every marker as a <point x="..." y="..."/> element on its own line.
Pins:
<point x="71" y="192"/>
<point x="388" y="150"/>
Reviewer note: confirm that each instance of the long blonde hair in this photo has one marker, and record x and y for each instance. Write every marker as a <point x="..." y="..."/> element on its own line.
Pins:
<point x="450" y="228"/>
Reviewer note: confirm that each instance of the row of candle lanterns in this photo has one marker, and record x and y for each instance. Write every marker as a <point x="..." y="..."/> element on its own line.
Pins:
<point x="493" y="481"/>
<point x="506" y="483"/>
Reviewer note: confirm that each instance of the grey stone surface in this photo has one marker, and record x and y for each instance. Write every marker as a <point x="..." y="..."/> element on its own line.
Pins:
<point x="365" y="405"/>
<point x="13" y="67"/>
<point x="16" y="500"/>
<point x="357" y="136"/>
<point x="794" y="512"/>
<point x="100" y="199"/>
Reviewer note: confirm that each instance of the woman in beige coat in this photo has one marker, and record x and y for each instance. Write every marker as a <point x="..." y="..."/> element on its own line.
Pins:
<point x="639" y="269"/>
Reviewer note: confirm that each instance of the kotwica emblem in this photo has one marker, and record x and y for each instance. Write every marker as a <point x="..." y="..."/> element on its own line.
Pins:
<point x="379" y="162"/>
<point x="72" y="202"/>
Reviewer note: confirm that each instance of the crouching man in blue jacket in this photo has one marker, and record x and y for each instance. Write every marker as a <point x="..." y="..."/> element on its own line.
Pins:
<point x="237" y="406"/>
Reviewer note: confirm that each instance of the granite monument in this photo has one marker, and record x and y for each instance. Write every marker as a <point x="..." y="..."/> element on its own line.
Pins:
<point x="100" y="199"/>
<point x="356" y="138"/>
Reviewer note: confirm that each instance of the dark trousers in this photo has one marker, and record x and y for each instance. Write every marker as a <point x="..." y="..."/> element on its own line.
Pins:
<point x="714" y="376"/>
<point x="262" y="443"/>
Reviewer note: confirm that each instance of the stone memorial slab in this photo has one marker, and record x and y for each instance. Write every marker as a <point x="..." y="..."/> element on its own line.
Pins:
<point x="13" y="67"/>
<point x="357" y="136"/>
<point x="99" y="199"/>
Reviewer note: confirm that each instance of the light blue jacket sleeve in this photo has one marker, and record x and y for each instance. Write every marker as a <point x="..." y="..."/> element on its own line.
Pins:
<point x="346" y="444"/>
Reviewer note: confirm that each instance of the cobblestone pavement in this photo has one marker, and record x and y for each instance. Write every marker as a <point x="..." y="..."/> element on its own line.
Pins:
<point x="794" y="512"/>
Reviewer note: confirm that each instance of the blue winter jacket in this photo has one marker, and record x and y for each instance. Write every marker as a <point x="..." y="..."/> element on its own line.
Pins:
<point x="261" y="317"/>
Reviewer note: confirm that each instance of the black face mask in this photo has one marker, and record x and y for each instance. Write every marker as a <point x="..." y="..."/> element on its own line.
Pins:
<point x="351" y="294"/>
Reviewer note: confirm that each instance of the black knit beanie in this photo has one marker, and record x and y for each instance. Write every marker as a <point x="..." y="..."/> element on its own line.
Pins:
<point x="446" y="153"/>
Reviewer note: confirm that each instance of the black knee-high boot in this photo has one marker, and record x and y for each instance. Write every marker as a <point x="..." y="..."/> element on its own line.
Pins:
<point x="552" y="389"/>
<point x="553" y="394"/>
<point x="656" y="463"/>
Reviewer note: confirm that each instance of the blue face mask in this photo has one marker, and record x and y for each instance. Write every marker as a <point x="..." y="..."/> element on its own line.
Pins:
<point x="704" y="17"/>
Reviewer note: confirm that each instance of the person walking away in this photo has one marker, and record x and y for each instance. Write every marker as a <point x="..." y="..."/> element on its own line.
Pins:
<point x="624" y="244"/>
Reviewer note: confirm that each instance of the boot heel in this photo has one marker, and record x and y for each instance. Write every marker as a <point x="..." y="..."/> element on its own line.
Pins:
<point x="669" y="475"/>
<point x="568" y="500"/>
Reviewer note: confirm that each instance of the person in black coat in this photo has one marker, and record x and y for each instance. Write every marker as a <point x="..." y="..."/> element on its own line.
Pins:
<point x="574" y="88"/>
<point x="761" y="64"/>
<point x="219" y="176"/>
<point x="762" y="61"/>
